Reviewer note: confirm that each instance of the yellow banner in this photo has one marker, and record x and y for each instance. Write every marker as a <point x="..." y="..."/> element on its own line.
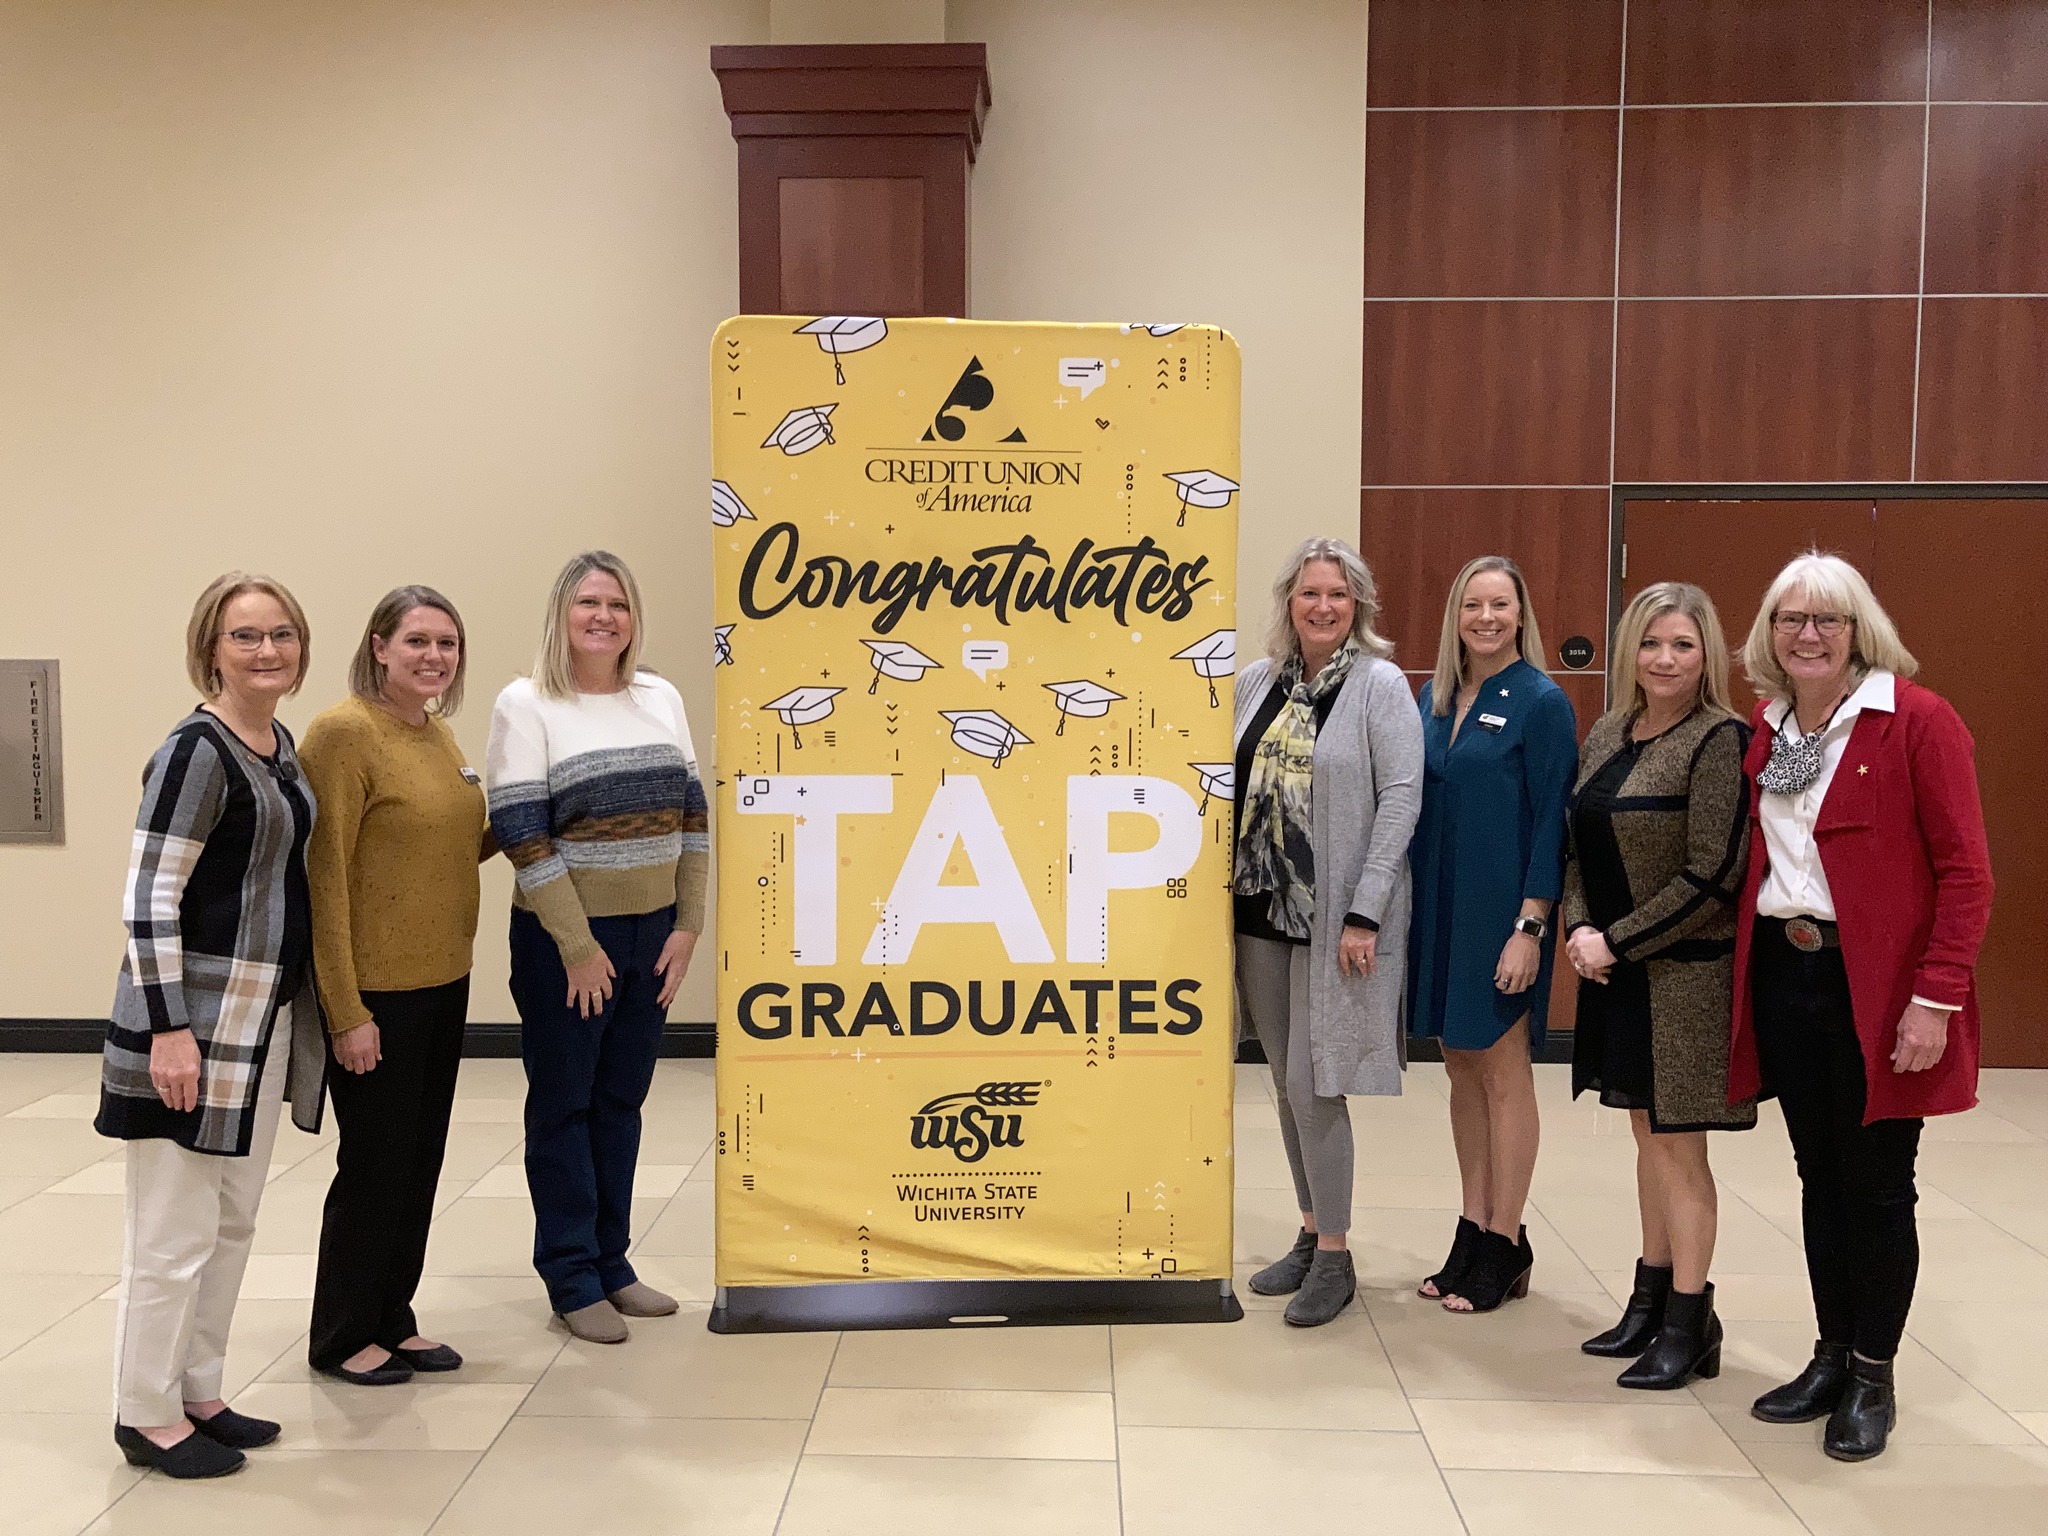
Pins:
<point x="976" y="604"/>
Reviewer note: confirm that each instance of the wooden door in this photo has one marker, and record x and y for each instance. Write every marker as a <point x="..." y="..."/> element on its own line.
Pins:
<point x="1958" y="577"/>
<point x="1734" y="548"/>
<point x="1953" y="575"/>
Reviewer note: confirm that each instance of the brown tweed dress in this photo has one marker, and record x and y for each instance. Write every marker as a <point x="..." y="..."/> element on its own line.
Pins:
<point x="1659" y="838"/>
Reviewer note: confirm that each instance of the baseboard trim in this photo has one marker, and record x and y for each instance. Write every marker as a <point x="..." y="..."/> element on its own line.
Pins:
<point x="85" y="1036"/>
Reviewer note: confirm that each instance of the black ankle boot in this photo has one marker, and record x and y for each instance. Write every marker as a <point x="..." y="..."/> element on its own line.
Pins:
<point x="1810" y="1395"/>
<point x="1499" y="1272"/>
<point x="1283" y="1277"/>
<point x="1863" y="1419"/>
<point x="1641" y="1319"/>
<point x="1688" y="1345"/>
<point x="1463" y="1246"/>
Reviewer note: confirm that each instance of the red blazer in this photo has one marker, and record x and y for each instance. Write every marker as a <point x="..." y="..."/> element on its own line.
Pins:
<point x="1904" y="852"/>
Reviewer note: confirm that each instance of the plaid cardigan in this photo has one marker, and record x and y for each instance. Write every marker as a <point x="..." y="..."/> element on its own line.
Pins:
<point x="208" y="882"/>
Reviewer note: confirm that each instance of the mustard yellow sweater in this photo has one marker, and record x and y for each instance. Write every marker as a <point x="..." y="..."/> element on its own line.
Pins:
<point x="393" y="858"/>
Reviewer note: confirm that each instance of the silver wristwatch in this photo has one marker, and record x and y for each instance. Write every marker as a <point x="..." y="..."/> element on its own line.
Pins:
<point x="1535" y="927"/>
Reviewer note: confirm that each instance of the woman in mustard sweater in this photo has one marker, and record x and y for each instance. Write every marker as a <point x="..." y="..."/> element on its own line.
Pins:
<point x="393" y="867"/>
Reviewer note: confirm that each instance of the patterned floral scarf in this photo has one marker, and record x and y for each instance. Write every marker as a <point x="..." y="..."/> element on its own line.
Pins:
<point x="1275" y="856"/>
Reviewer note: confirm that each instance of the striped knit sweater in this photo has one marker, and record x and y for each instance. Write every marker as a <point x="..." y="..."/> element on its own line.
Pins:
<point x="597" y="803"/>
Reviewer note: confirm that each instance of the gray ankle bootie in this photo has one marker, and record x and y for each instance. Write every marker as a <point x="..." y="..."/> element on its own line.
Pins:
<point x="1284" y="1276"/>
<point x="1328" y="1290"/>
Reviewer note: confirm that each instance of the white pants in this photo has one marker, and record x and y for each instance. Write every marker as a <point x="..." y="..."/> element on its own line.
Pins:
<point x="191" y="1217"/>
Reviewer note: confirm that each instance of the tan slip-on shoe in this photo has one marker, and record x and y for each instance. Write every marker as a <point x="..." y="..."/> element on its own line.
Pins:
<point x="642" y="1300"/>
<point x="598" y="1323"/>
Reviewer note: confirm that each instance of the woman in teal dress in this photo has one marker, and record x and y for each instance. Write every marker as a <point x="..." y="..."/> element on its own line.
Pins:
<point x="1501" y="754"/>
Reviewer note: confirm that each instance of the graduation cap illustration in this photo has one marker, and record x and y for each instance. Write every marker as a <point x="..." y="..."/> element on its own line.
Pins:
<point x="721" y="645"/>
<point x="1083" y="698"/>
<point x="897" y="659"/>
<point x="726" y="506"/>
<point x="1153" y="328"/>
<point x="803" y="706"/>
<point x="840" y="334"/>
<point x="803" y="429"/>
<point x="1213" y="656"/>
<point x="1201" y="488"/>
<point x="985" y="733"/>
<point x="1216" y="779"/>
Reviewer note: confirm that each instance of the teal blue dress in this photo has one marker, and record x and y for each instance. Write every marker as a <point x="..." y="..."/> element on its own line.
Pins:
<point x="1491" y="836"/>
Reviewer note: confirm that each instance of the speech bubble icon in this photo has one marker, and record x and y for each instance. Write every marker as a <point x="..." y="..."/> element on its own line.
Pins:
<point x="1083" y="373"/>
<point x="982" y="657"/>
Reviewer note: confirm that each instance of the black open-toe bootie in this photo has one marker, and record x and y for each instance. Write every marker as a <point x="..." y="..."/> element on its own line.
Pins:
<point x="1810" y="1395"/>
<point x="1688" y="1345"/>
<point x="1284" y="1275"/>
<point x="1640" y="1319"/>
<point x="1463" y="1246"/>
<point x="1862" y="1421"/>
<point x="1500" y="1271"/>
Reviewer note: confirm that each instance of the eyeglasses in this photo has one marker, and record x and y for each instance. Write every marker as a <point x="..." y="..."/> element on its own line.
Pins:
<point x="1826" y="625"/>
<point x="252" y="639"/>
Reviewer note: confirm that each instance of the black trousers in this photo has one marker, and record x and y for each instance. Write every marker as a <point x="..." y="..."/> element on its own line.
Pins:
<point x="1856" y="1180"/>
<point x="394" y="1132"/>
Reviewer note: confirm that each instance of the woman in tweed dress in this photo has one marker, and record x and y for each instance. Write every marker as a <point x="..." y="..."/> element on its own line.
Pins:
<point x="215" y="1024"/>
<point x="1659" y="840"/>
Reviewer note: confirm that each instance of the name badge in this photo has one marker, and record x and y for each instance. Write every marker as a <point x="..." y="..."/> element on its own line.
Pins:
<point x="469" y="776"/>
<point x="1492" y="722"/>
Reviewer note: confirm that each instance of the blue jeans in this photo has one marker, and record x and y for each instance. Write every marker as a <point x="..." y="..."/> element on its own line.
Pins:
<point x="585" y="1082"/>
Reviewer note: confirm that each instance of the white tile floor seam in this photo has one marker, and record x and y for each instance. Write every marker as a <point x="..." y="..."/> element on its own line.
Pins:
<point x="1432" y="1424"/>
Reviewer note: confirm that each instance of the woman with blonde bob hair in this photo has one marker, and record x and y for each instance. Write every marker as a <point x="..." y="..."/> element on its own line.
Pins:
<point x="395" y="895"/>
<point x="595" y="798"/>
<point x="1328" y="779"/>
<point x="1502" y="748"/>
<point x="1856" y="943"/>
<point x="1659" y="838"/>
<point x="215" y="1023"/>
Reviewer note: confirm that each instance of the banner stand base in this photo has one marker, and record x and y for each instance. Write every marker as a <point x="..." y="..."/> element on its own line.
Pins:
<point x="969" y="1304"/>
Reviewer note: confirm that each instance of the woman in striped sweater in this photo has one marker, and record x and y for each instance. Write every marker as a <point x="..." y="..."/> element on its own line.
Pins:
<point x="595" y="798"/>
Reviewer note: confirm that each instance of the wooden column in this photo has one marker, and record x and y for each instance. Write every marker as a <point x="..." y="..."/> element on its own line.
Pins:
<point x="854" y="160"/>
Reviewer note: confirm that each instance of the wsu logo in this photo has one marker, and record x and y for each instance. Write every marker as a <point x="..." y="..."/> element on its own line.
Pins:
<point x="969" y="1124"/>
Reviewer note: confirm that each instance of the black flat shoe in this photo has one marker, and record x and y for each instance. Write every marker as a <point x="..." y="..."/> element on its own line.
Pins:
<point x="192" y="1457"/>
<point x="1500" y="1272"/>
<point x="1640" y="1320"/>
<point x="1862" y="1422"/>
<point x="392" y="1373"/>
<point x="439" y="1358"/>
<point x="235" y="1430"/>
<point x="1810" y="1395"/>
<point x="1688" y="1345"/>
<point x="1463" y="1246"/>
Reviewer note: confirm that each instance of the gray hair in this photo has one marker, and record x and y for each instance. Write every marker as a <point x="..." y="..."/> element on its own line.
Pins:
<point x="1874" y="643"/>
<point x="1282" y="643"/>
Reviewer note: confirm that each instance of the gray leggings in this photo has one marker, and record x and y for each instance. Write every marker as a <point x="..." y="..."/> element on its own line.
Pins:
<point x="1272" y="978"/>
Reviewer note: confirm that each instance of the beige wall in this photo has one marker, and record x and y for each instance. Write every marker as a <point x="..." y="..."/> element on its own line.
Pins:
<point x="1193" y="160"/>
<point x="375" y="291"/>
<point x="360" y="292"/>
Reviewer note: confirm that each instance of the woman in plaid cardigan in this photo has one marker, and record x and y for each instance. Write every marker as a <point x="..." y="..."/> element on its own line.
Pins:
<point x="213" y="1013"/>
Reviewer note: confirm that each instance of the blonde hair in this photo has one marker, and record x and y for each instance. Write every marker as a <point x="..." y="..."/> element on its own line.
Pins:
<point x="366" y="674"/>
<point x="554" y="671"/>
<point x="202" y="633"/>
<point x="1282" y="643"/>
<point x="1625" y="689"/>
<point x="1450" y="650"/>
<point x="1833" y="584"/>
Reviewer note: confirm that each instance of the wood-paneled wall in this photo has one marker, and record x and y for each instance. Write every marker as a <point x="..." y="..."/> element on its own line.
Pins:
<point x="1697" y="241"/>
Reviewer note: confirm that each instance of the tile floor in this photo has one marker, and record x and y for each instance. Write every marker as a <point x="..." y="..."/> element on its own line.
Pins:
<point x="1397" y="1418"/>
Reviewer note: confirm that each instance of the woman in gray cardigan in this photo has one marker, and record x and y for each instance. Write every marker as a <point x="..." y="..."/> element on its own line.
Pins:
<point x="1328" y="784"/>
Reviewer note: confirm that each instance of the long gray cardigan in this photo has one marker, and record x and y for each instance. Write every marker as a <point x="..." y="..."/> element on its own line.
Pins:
<point x="1364" y="797"/>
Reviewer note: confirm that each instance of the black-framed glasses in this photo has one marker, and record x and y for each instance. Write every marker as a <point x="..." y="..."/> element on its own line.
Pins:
<point x="252" y="639"/>
<point x="1827" y="625"/>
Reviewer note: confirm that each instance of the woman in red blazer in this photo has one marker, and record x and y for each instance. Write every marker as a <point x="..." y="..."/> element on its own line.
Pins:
<point x="1868" y="891"/>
